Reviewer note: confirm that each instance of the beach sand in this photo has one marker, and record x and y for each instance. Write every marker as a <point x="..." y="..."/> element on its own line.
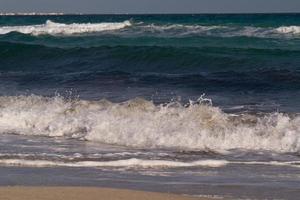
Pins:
<point x="83" y="193"/>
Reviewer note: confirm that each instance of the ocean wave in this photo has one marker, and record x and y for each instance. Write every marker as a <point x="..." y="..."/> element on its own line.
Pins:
<point x="140" y="123"/>
<point x="222" y="30"/>
<point x="52" y="28"/>
<point x="157" y="59"/>
<point x="140" y="29"/>
<point x="140" y="163"/>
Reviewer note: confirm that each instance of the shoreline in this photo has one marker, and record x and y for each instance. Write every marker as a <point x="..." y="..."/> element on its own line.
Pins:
<point x="85" y="193"/>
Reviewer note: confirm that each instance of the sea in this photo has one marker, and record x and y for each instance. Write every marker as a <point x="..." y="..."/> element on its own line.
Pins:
<point x="205" y="105"/>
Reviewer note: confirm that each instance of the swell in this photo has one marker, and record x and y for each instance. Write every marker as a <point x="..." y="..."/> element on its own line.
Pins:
<point x="204" y="69"/>
<point x="255" y="80"/>
<point x="130" y="39"/>
<point x="16" y="57"/>
<point x="140" y="123"/>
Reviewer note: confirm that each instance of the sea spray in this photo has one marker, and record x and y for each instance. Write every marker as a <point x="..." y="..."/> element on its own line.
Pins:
<point x="140" y="123"/>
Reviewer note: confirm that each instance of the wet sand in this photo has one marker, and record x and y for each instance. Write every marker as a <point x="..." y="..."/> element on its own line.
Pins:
<point x="83" y="193"/>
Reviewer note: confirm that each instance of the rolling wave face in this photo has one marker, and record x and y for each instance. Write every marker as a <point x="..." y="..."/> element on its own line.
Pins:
<point x="253" y="76"/>
<point x="139" y="123"/>
<point x="52" y="28"/>
<point x="163" y="59"/>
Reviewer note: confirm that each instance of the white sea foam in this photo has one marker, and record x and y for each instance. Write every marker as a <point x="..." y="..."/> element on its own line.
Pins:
<point x="187" y="28"/>
<point x="178" y="30"/>
<point x="133" y="162"/>
<point x="289" y="29"/>
<point x="220" y="31"/>
<point x="52" y="28"/>
<point x="139" y="123"/>
<point x="140" y="163"/>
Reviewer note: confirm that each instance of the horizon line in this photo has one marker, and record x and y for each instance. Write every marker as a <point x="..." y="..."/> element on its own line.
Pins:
<point x="150" y="13"/>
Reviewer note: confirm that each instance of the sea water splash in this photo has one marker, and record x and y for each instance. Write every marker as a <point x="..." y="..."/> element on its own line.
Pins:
<point x="140" y="123"/>
<point x="52" y="28"/>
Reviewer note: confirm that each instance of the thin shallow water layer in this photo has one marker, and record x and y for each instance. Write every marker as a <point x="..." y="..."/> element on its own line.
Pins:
<point x="236" y="174"/>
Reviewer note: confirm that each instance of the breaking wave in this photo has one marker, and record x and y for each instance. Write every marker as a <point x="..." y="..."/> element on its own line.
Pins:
<point x="289" y="29"/>
<point x="156" y="30"/>
<point x="223" y="31"/>
<point x="140" y="123"/>
<point x="52" y="28"/>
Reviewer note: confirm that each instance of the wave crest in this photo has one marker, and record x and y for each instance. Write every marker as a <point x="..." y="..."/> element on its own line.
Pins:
<point x="140" y="123"/>
<point x="222" y="31"/>
<point x="53" y="28"/>
<point x="156" y="30"/>
<point x="289" y="29"/>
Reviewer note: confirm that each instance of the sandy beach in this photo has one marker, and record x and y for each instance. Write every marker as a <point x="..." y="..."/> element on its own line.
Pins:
<point x="83" y="193"/>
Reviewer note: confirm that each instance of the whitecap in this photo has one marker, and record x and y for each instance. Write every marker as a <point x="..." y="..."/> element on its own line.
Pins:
<point x="53" y="28"/>
<point x="289" y="29"/>
<point x="140" y="123"/>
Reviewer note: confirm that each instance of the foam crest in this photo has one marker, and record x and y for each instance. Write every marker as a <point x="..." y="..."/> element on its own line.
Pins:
<point x="289" y="29"/>
<point x="52" y="28"/>
<point x="165" y="30"/>
<point x="133" y="162"/>
<point x="221" y="30"/>
<point x="140" y="163"/>
<point x="140" y="123"/>
<point x="187" y="28"/>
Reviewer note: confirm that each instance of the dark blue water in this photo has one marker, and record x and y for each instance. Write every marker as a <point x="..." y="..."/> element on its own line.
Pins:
<point x="237" y="60"/>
